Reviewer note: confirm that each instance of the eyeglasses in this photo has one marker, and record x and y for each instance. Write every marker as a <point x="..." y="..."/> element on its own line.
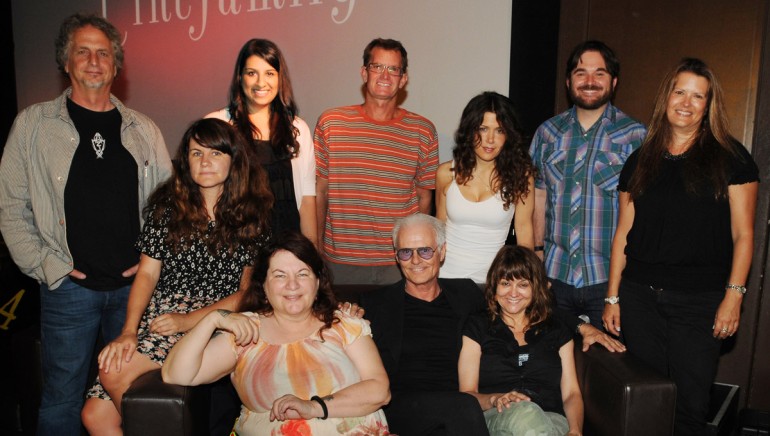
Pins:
<point x="405" y="254"/>
<point x="379" y="68"/>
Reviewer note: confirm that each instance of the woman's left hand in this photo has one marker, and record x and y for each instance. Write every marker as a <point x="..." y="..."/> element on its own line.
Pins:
<point x="169" y="324"/>
<point x="291" y="407"/>
<point x="504" y="401"/>
<point x="728" y="315"/>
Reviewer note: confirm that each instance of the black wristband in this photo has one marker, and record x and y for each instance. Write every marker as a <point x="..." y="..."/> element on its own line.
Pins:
<point x="539" y="248"/>
<point x="320" y="401"/>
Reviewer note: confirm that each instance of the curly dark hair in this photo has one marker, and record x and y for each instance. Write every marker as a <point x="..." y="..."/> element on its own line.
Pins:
<point x="517" y="262"/>
<point x="255" y="298"/>
<point x="242" y="210"/>
<point x="283" y="109"/>
<point x="513" y="166"/>
<point x="75" y="22"/>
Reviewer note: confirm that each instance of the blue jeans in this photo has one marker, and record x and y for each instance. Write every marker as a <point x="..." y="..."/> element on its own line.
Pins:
<point x="588" y="300"/>
<point x="71" y="318"/>
<point x="672" y="331"/>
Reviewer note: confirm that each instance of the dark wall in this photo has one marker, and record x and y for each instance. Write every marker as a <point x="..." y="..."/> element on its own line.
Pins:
<point x="759" y="374"/>
<point x="534" y="50"/>
<point x="7" y="68"/>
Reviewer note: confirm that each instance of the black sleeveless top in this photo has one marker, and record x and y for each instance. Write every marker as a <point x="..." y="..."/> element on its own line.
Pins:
<point x="284" y="215"/>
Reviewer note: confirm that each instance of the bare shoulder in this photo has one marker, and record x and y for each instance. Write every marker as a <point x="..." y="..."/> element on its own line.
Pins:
<point x="444" y="174"/>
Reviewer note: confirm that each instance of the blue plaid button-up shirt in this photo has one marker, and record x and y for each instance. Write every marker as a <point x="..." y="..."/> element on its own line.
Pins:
<point x="579" y="171"/>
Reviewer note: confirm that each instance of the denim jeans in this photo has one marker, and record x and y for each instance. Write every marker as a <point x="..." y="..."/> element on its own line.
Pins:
<point x="588" y="300"/>
<point x="672" y="331"/>
<point x="71" y="318"/>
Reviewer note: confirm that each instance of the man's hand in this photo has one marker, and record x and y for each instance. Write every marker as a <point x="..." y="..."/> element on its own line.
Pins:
<point x="131" y="271"/>
<point x="77" y="274"/>
<point x="592" y="335"/>
<point x="352" y="309"/>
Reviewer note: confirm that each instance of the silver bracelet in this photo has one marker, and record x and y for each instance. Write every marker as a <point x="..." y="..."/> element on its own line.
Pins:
<point x="738" y="288"/>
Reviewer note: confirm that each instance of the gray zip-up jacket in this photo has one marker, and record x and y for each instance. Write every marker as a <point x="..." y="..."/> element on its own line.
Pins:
<point x="33" y="174"/>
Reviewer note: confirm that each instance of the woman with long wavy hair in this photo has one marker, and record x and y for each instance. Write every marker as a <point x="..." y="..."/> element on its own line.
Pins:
<point x="490" y="177"/>
<point x="261" y="106"/>
<point x="203" y="230"/>
<point x="683" y="246"/>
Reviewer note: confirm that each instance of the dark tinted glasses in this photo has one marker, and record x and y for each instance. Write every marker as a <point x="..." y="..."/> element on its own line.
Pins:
<point x="405" y="254"/>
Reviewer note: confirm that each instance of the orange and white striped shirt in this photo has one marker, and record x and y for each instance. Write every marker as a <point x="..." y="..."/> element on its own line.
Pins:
<point x="373" y="169"/>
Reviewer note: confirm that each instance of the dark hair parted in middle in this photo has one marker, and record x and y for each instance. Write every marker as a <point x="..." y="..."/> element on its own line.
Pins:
<point x="520" y="263"/>
<point x="243" y="208"/>
<point x="513" y="166"/>
<point x="255" y="299"/>
<point x="283" y="109"/>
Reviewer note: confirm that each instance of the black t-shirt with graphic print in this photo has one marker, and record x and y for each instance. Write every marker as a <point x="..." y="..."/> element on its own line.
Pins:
<point x="101" y="201"/>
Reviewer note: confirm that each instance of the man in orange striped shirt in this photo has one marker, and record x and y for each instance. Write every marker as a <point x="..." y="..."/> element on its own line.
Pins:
<point x="375" y="163"/>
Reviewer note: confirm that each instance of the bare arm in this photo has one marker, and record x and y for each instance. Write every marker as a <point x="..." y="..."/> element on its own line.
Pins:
<point x="570" y="390"/>
<point x="122" y="348"/>
<point x="308" y="218"/>
<point x="425" y="200"/>
<point x="523" y="218"/>
<point x="538" y="219"/>
<point x="444" y="176"/>
<point x="626" y="213"/>
<point x="468" y="373"/>
<point x="743" y="204"/>
<point x="199" y="358"/>
<point x="322" y="208"/>
<point x="172" y="323"/>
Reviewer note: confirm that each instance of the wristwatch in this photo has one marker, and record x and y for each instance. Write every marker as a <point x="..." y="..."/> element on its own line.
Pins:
<point x="612" y="300"/>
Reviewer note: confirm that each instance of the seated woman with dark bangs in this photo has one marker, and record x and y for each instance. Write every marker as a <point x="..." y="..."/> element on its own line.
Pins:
<point x="518" y="360"/>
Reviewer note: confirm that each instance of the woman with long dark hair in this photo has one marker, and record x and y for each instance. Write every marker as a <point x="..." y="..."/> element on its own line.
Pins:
<point x="300" y="366"/>
<point x="261" y="107"/>
<point x="486" y="185"/>
<point x="683" y="247"/>
<point x="203" y="229"/>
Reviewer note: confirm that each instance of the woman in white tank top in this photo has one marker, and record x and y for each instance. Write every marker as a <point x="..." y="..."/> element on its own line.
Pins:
<point x="490" y="177"/>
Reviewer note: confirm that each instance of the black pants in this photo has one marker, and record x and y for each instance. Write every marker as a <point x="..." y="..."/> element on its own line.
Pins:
<point x="225" y="407"/>
<point x="434" y="414"/>
<point x="672" y="331"/>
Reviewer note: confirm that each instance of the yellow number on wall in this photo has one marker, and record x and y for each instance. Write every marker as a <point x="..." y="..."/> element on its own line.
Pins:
<point x="8" y="313"/>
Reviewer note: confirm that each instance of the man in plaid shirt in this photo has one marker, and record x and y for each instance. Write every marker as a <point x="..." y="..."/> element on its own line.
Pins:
<point x="579" y="154"/>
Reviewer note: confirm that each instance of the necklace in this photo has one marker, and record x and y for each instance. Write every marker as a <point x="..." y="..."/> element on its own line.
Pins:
<point x="668" y="156"/>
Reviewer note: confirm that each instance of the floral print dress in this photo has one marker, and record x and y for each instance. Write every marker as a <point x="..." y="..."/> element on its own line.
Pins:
<point x="190" y="279"/>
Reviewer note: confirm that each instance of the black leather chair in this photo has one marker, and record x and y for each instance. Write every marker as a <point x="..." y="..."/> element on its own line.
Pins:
<point x="151" y="407"/>
<point x="622" y="397"/>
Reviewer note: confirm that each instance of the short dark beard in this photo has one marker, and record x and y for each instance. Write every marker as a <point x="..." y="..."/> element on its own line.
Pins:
<point x="579" y="102"/>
